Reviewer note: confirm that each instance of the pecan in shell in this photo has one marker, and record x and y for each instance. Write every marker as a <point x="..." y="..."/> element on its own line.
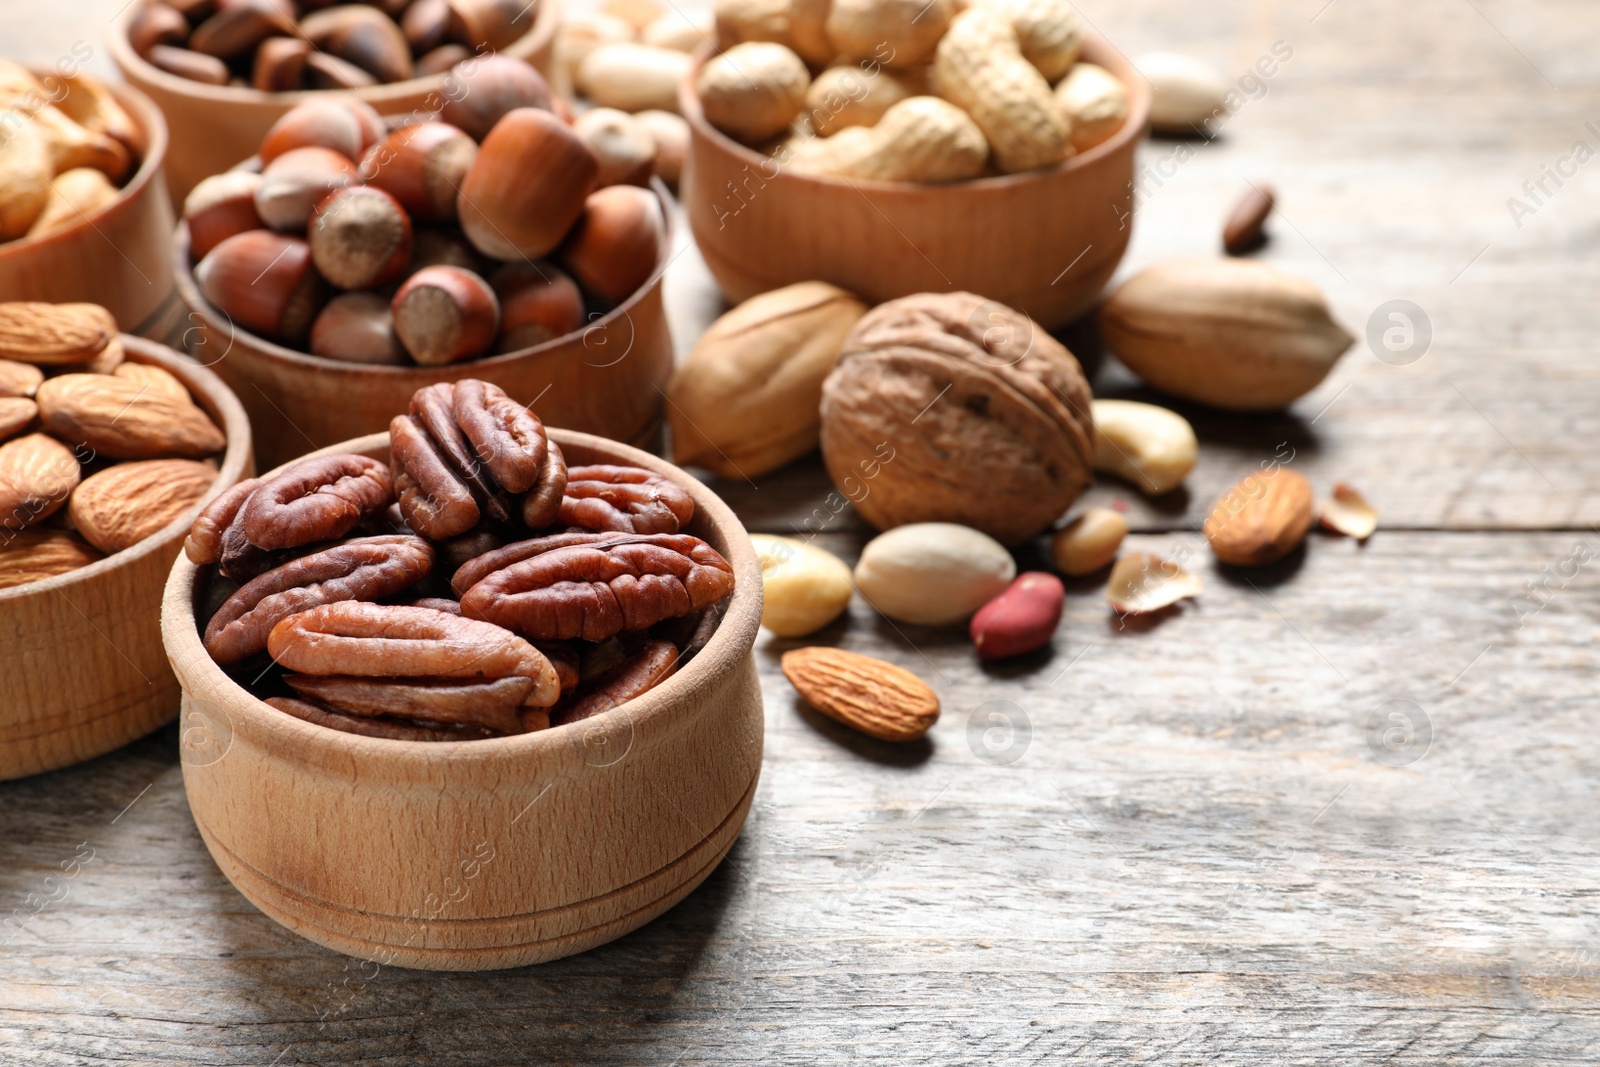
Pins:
<point x="600" y="588"/>
<point x="367" y="568"/>
<point x="316" y="499"/>
<point x="654" y="665"/>
<point x="625" y="499"/>
<point x="390" y="642"/>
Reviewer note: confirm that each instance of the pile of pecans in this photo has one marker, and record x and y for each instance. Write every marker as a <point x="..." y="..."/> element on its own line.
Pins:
<point x="473" y="587"/>
<point x="281" y="45"/>
<point x="433" y="242"/>
<point x="99" y="451"/>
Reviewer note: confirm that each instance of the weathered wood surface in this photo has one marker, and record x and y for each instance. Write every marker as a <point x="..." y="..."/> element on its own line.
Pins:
<point x="1198" y="855"/>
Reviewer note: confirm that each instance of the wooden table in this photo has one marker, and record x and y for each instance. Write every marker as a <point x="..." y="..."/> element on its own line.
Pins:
<point x="1180" y="843"/>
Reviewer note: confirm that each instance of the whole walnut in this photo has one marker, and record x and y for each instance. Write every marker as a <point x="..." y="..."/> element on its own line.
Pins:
<point x="947" y="407"/>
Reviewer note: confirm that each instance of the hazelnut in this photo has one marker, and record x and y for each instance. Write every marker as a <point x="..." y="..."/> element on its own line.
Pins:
<point x="264" y="282"/>
<point x="186" y="64"/>
<point x="671" y="136"/>
<point x="280" y="64"/>
<point x="538" y="303"/>
<point x="361" y="35"/>
<point x="240" y="25"/>
<point x="615" y="245"/>
<point x="425" y="24"/>
<point x="444" y="248"/>
<point x="343" y="124"/>
<point x="422" y="166"/>
<point x="957" y="409"/>
<point x="324" y="71"/>
<point x="480" y="92"/>
<point x="360" y="237"/>
<point x="622" y="147"/>
<point x="292" y="185"/>
<point x="156" y="24"/>
<point x="357" y="328"/>
<point x="445" y="315"/>
<point x="527" y="186"/>
<point x="489" y="24"/>
<point x="220" y="207"/>
<point x="441" y="59"/>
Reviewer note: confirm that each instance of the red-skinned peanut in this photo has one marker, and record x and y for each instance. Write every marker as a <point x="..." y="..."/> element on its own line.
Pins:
<point x="1021" y="619"/>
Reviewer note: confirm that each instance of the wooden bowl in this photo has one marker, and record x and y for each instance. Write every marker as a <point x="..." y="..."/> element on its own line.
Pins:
<point x="115" y="256"/>
<point x="215" y="126"/>
<point x="1045" y="241"/>
<point x="82" y="670"/>
<point x="480" y="854"/>
<point x="606" y="379"/>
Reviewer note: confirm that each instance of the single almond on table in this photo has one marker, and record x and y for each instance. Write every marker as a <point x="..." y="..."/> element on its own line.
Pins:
<point x="1348" y="512"/>
<point x="51" y="334"/>
<point x="37" y="473"/>
<point x="33" y="555"/>
<point x="122" y="505"/>
<point x="1261" y="519"/>
<point x="866" y="694"/>
<point x="1141" y="582"/>
<point x="1245" y="228"/>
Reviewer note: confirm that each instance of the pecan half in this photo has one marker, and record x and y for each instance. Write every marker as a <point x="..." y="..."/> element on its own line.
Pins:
<point x="509" y="439"/>
<point x="626" y="499"/>
<point x="494" y="705"/>
<point x="435" y="603"/>
<point x="433" y="407"/>
<point x="480" y="567"/>
<point x="595" y="589"/>
<point x="433" y="499"/>
<point x="456" y="551"/>
<point x="391" y="642"/>
<point x="366" y="568"/>
<point x="317" y="499"/>
<point x="367" y="727"/>
<point x="638" y="675"/>
<point x="204" y="543"/>
<point x="542" y="506"/>
<point x="563" y="657"/>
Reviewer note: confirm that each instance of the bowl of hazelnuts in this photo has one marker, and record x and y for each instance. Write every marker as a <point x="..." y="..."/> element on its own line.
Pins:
<point x="223" y="71"/>
<point x="471" y="694"/>
<point x="355" y="261"/>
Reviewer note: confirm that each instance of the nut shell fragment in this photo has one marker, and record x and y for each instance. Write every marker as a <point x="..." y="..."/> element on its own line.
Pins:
<point x="1141" y="583"/>
<point x="1348" y="512"/>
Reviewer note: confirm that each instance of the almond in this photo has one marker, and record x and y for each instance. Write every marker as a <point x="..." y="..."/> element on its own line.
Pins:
<point x="31" y="555"/>
<point x="161" y="382"/>
<point x="37" y="473"/>
<point x="124" y="504"/>
<point x="125" y="419"/>
<point x="1261" y="519"/>
<point x="866" y="694"/>
<point x="51" y="334"/>
<point x="16" y="412"/>
<point x="19" y="379"/>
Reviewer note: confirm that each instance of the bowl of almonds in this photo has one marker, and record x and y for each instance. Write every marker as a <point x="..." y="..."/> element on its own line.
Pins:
<point x="109" y="445"/>
<point x="473" y="694"/>
<point x="985" y="147"/>
<point x="223" y="71"/>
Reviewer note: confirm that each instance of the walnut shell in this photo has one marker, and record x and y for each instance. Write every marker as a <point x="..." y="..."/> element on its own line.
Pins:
<point x="953" y="408"/>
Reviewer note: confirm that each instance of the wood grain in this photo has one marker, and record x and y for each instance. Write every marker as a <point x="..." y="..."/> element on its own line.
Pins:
<point x="1198" y="859"/>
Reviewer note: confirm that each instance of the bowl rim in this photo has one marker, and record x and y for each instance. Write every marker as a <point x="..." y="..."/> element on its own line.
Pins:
<point x="546" y="22"/>
<point x="154" y="126"/>
<point x="215" y="319"/>
<point x="209" y="391"/>
<point x="336" y="751"/>
<point x="1096" y="49"/>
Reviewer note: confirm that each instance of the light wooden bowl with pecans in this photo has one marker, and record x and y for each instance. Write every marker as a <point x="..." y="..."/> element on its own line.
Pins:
<point x="215" y="126"/>
<point x="475" y="855"/>
<point x="82" y="669"/>
<point x="1042" y="241"/>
